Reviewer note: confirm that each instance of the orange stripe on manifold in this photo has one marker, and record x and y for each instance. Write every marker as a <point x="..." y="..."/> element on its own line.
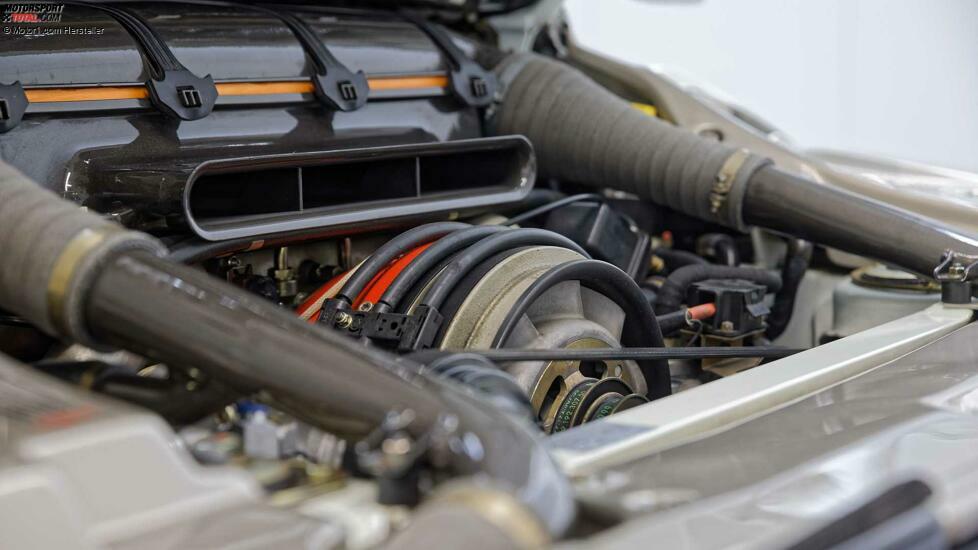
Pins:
<point x="92" y="93"/>
<point x="408" y="82"/>
<point x="108" y="93"/>
<point x="264" y="88"/>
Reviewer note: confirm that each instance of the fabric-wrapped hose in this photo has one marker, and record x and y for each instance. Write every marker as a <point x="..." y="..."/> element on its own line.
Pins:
<point x="583" y="133"/>
<point x="52" y="250"/>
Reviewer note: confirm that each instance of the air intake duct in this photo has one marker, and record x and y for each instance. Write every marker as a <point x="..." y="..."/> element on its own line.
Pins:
<point x="583" y="133"/>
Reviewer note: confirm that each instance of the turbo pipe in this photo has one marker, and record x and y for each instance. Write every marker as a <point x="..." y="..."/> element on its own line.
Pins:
<point x="117" y="291"/>
<point x="583" y="133"/>
<point x="833" y="217"/>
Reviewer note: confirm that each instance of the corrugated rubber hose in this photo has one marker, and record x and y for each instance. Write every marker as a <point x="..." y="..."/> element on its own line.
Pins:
<point x="584" y="134"/>
<point x="52" y="250"/>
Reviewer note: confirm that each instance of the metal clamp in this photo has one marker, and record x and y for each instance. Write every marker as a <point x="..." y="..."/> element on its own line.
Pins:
<point x="955" y="273"/>
<point x="470" y="83"/>
<point x="725" y="179"/>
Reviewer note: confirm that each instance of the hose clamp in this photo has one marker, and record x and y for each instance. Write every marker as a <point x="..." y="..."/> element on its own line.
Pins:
<point x="725" y="179"/>
<point x="65" y="267"/>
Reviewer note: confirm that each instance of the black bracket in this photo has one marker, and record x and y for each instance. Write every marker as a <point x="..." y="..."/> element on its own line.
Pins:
<point x="401" y="331"/>
<point x="470" y="83"/>
<point x="955" y="273"/>
<point x="173" y="89"/>
<point x="336" y="85"/>
<point x="13" y="104"/>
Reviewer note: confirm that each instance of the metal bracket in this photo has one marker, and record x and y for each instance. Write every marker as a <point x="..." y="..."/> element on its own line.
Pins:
<point x="13" y="104"/>
<point x="173" y="89"/>
<point x="470" y="83"/>
<point x="956" y="273"/>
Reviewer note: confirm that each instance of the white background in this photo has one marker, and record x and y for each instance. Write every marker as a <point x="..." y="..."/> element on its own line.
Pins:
<point x="891" y="77"/>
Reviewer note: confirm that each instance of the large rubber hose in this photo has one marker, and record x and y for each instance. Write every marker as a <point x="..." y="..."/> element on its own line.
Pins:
<point x="52" y="250"/>
<point x="133" y="299"/>
<point x="583" y="133"/>
<point x="673" y="291"/>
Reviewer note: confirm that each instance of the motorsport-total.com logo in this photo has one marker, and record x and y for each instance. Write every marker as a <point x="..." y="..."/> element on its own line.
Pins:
<point x="32" y="13"/>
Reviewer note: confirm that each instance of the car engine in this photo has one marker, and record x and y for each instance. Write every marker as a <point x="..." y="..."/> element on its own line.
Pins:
<point x="344" y="274"/>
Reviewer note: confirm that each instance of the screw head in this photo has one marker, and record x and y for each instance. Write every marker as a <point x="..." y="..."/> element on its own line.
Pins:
<point x="344" y="319"/>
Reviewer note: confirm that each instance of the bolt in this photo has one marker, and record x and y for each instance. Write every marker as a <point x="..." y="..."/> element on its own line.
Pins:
<point x="727" y="326"/>
<point x="957" y="271"/>
<point x="398" y="444"/>
<point x="366" y="306"/>
<point x="344" y="319"/>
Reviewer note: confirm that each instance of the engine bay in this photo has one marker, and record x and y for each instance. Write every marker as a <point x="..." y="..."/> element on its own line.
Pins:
<point x="345" y="256"/>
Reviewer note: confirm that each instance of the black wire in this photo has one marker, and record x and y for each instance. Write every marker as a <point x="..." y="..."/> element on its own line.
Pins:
<point x="469" y="258"/>
<point x="640" y="328"/>
<point x="613" y="354"/>
<point x="530" y="214"/>
<point x="9" y="320"/>
<point x="391" y="250"/>
<point x="428" y="259"/>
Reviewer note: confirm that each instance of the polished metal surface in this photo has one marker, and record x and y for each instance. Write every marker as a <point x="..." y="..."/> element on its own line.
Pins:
<point x="775" y="477"/>
<point x="673" y="420"/>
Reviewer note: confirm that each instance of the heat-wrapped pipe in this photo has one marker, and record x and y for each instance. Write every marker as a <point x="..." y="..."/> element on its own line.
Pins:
<point x="51" y="251"/>
<point x="583" y="133"/>
<point x="128" y="297"/>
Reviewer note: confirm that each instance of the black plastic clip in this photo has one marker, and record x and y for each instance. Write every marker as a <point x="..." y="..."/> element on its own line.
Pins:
<point x="336" y="85"/>
<point x="470" y="83"/>
<point x="403" y="332"/>
<point x="411" y="332"/>
<point x="173" y="89"/>
<point x="956" y="272"/>
<point x="13" y="104"/>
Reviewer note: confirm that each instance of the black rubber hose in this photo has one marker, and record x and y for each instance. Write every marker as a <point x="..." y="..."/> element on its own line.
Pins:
<point x="673" y="291"/>
<point x="795" y="265"/>
<point x="721" y="247"/>
<point x="428" y="259"/>
<point x="674" y="259"/>
<point x="832" y="217"/>
<point x="482" y="375"/>
<point x="482" y="250"/>
<point x="672" y="321"/>
<point x="549" y="207"/>
<point x="640" y="327"/>
<point x="583" y="133"/>
<point x="391" y="250"/>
